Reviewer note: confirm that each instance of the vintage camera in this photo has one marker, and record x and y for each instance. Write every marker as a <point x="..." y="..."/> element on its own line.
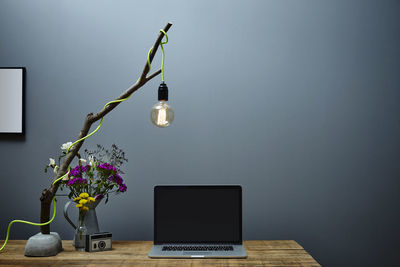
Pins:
<point x="98" y="242"/>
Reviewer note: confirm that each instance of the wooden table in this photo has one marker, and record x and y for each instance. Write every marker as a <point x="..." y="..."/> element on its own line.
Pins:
<point x="134" y="253"/>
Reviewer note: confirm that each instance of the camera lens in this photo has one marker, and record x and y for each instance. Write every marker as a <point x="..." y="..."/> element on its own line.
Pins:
<point x="102" y="245"/>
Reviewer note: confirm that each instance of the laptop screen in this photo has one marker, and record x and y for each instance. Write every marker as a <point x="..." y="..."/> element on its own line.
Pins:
<point x="197" y="214"/>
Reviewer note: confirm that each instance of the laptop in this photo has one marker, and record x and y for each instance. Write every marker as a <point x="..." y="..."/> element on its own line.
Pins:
<point x="198" y="221"/>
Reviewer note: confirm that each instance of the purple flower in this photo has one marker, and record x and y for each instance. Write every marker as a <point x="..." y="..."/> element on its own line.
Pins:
<point x="77" y="180"/>
<point x="106" y="166"/>
<point x="122" y="188"/>
<point x="78" y="170"/>
<point x="116" y="178"/>
<point x="99" y="196"/>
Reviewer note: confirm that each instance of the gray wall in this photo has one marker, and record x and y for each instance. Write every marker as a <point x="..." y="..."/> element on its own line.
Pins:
<point x="298" y="101"/>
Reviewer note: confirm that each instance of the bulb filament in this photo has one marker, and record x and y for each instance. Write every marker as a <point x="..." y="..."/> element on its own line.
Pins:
<point x="162" y="117"/>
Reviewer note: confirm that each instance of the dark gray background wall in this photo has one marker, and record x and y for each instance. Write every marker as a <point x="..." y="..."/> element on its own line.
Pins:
<point x="298" y="101"/>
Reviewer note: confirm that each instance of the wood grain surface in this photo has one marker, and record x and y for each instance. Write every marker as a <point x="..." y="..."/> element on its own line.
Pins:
<point x="134" y="253"/>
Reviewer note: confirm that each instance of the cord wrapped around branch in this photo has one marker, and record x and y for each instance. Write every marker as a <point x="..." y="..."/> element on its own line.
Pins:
<point x="49" y="193"/>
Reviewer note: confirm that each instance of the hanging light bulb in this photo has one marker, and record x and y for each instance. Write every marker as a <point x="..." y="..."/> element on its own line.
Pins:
<point x="161" y="113"/>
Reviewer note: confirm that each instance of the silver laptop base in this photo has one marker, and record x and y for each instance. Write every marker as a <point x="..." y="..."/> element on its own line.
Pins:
<point x="158" y="252"/>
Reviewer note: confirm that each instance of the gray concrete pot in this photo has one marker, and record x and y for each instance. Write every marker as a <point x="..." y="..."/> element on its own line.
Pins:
<point x="41" y="245"/>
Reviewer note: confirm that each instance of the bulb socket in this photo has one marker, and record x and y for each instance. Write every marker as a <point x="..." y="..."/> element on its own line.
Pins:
<point x="163" y="92"/>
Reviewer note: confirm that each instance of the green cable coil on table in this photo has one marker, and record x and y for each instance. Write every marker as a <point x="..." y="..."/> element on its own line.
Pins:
<point x="83" y="138"/>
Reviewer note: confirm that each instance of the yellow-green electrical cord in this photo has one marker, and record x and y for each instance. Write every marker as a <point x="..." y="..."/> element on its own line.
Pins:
<point x="163" y="55"/>
<point x="83" y="138"/>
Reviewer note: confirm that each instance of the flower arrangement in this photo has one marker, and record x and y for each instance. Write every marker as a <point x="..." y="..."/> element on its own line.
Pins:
<point x="93" y="178"/>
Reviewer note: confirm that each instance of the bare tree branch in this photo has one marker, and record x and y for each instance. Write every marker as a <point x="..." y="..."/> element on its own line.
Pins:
<point x="154" y="50"/>
<point x="151" y="76"/>
<point x="48" y="194"/>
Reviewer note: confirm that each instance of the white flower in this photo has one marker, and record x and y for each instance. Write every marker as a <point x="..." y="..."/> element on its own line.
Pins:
<point x="52" y="162"/>
<point x="91" y="161"/>
<point x="82" y="161"/>
<point x="56" y="169"/>
<point x="66" y="145"/>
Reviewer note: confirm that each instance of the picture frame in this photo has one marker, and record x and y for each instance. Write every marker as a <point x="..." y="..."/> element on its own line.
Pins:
<point x="12" y="100"/>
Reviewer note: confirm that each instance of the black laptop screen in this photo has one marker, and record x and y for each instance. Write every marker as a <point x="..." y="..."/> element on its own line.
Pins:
<point x="197" y="214"/>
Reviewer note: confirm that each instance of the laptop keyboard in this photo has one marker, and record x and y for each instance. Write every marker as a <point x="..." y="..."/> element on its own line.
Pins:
<point x="197" y="248"/>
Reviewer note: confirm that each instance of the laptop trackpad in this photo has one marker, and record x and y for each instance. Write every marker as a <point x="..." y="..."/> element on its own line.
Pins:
<point x="196" y="253"/>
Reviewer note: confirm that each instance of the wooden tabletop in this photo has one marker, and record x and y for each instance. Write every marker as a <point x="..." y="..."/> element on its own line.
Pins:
<point x="134" y="253"/>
